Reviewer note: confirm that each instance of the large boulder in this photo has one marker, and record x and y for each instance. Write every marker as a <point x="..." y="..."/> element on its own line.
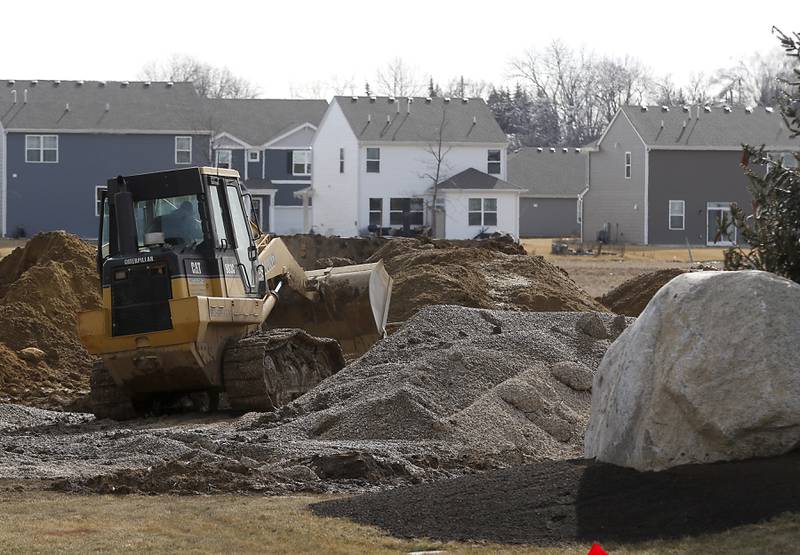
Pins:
<point x="710" y="371"/>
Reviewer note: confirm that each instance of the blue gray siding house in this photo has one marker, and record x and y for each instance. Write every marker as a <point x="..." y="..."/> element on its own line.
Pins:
<point x="269" y="142"/>
<point x="666" y="175"/>
<point x="62" y="140"/>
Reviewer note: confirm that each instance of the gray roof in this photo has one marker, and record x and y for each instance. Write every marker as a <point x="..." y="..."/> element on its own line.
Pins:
<point x="548" y="174"/>
<point x="135" y="105"/>
<point x="476" y="179"/>
<point x="468" y="121"/>
<point x="257" y="121"/>
<point x="716" y="128"/>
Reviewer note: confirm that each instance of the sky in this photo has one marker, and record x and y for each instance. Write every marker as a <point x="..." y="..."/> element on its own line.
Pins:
<point x="281" y="47"/>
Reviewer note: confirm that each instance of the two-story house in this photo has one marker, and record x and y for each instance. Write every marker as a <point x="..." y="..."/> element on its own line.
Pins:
<point x="60" y="141"/>
<point x="668" y="175"/>
<point x="376" y="159"/>
<point x="269" y="142"/>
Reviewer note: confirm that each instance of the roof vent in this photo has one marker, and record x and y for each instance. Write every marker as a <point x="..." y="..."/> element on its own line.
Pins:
<point x="410" y="100"/>
<point x="169" y="84"/>
<point x="390" y="99"/>
<point x="353" y="99"/>
<point x="397" y="105"/>
<point x="108" y="107"/>
<point x="14" y="96"/>
<point x="147" y="83"/>
<point x="465" y="100"/>
<point x="447" y="99"/>
<point x="643" y="108"/>
<point x="388" y="119"/>
<point x="727" y="109"/>
<point x="57" y="82"/>
<point x="686" y="108"/>
<point x="11" y="82"/>
<point x="124" y="84"/>
<point x="369" y="118"/>
<point x="539" y="149"/>
<point x="552" y="149"/>
<point x="373" y="98"/>
<point x="707" y="108"/>
<point x="665" y="108"/>
<point x="428" y="100"/>
<point x="565" y="150"/>
<point x="474" y="120"/>
<point x="101" y="83"/>
<point x="748" y="109"/>
<point x="25" y="96"/>
<point x="34" y="82"/>
<point x="662" y="124"/>
<point x="66" y="107"/>
<point x="769" y="109"/>
<point x="577" y="150"/>
<point x="79" y="83"/>
<point x="684" y="124"/>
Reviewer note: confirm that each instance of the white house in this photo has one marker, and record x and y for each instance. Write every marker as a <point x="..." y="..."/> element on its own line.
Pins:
<point x="374" y="166"/>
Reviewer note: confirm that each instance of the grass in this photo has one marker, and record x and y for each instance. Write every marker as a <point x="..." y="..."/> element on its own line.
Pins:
<point x="44" y="522"/>
<point x="541" y="246"/>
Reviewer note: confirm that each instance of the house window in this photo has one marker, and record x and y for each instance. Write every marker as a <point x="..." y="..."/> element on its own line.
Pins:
<point x="677" y="213"/>
<point x="224" y="159"/>
<point x="301" y="162"/>
<point x="253" y="156"/>
<point x="341" y="161"/>
<point x="376" y="212"/>
<point x="482" y="212"/>
<point x="373" y="160"/>
<point x="627" y="165"/>
<point x="493" y="162"/>
<point x="41" y="149"/>
<point x="401" y="209"/>
<point x="98" y="199"/>
<point x="183" y="150"/>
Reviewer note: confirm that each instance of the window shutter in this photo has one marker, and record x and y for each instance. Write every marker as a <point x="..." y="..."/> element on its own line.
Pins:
<point x="289" y="161"/>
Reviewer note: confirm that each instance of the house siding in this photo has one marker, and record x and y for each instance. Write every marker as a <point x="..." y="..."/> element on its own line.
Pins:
<point x="611" y="198"/>
<point x="696" y="177"/>
<point x="456" y="207"/>
<point x="44" y="197"/>
<point x="548" y="217"/>
<point x="3" y="178"/>
<point x="278" y="166"/>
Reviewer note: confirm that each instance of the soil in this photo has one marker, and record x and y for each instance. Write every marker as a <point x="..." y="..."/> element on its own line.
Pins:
<point x="631" y="297"/>
<point x="42" y="287"/>
<point x="552" y="502"/>
<point x="455" y="391"/>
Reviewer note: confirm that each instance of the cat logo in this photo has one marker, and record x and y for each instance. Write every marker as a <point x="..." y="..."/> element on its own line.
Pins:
<point x="197" y="267"/>
<point x="230" y="269"/>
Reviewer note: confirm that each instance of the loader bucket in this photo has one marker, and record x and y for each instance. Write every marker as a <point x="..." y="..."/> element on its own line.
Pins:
<point x="352" y="307"/>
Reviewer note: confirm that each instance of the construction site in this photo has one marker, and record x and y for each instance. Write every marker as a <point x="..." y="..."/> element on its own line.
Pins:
<point x="481" y="421"/>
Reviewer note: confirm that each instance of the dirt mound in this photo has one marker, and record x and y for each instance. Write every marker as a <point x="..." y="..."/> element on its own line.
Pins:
<point x="309" y="249"/>
<point x="42" y="287"/>
<point x="554" y="502"/>
<point x="489" y="274"/>
<point x="632" y="296"/>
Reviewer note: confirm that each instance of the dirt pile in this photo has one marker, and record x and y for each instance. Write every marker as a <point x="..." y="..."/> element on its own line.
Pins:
<point x="632" y="296"/>
<point x="311" y="251"/>
<point x="492" y="274"/>
<point x="454" y="391"/>
<point x="42" y="287"/>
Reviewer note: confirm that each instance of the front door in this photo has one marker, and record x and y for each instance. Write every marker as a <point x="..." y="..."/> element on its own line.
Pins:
<point x="718" y="214"/>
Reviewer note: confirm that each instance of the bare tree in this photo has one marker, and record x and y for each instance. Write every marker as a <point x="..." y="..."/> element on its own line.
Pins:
<point x="397" y="79"/>
<point x="333" y="86"/>
<point x="697" y="90"/>
<point x="459" y="87"/>
<point x="754" y="80"/>
<point x="438" y="151"/>
<point x="209" y="81"/>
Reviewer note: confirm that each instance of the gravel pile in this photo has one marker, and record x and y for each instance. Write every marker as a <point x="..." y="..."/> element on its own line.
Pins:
<point x="455" y="391"/>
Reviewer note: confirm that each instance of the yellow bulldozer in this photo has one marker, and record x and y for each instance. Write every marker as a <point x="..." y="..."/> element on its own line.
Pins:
<point x="198" y="302"/>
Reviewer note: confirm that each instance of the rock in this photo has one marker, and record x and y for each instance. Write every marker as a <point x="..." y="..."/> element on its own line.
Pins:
<point x="591" y="325"/>
<point x="32" y="354"/>
<point x="618" y="325"/>
<point x="708" y="372"/>
<point x="573" y="374"/>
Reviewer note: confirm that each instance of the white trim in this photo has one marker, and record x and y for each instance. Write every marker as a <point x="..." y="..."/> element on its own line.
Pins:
<point x="96" y="188"/>
<point x="41" y="149"/>
<point x="608" y="127"/>
<point x="498" y="162"/>
<point x="379" y="143"/>
<point x="191" y="145"/>
<point x="368" y="159"/>
<point x="226" y="135"/>
<point x="770" y="148"/>
<point x="646" y="195"/>
<point x="670" y="215"/>
<point x="288" y="134"/>
<point x="628" y="171"/>
<point x="723" y="206"/>
<point x="483" y="212"/>
<point x="531" y="195"/>
<point x="51" y="130"/>
<point x="290" y="181"/>
<point x="461" y="191"/>
<point x="258" y="155"/>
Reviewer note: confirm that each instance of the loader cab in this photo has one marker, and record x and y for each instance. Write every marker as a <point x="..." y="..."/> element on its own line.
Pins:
<point x="173" y="234"/>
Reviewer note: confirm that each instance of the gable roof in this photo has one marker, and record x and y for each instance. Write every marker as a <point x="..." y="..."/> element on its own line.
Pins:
<point x="467" y="120"/>
<point x="713" y="129"/>
<point x="476" y="180"/>
<point x="257" y="121"/>
<point x="548" y="174"/>
<point x="132" y="106"/>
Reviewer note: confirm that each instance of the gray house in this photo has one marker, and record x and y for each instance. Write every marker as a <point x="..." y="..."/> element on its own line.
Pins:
<point x="552" y="179"/>
<point x="666" y="175"/>
<point x="269" y="142"/>
<point x="61" y="140"/>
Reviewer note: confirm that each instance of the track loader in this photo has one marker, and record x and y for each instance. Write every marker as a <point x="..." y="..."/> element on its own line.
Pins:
<point x="197" y="301"/>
